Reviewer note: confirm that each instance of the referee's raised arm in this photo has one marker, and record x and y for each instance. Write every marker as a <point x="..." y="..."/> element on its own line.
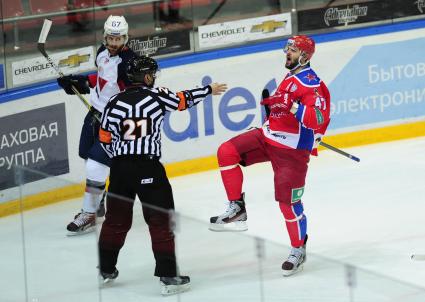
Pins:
<point x="187" y="98"/>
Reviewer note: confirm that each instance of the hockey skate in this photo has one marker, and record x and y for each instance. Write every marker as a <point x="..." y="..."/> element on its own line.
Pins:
<point x="83" y="223"/>
<point x="233" y="219"/>
<point x="174" y="285"/>
<point x="108" y="278"/>
<point x="295" y="261"/>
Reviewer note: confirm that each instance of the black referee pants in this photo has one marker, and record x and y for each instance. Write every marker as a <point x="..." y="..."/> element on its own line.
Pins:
<point x="147" y="179"/>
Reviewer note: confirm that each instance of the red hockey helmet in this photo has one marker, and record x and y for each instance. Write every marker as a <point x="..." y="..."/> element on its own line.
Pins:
<point x="303" y="43"/>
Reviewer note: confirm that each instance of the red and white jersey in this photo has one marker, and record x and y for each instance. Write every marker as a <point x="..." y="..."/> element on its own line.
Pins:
<point x="111" y="77"/>
<point x="300" y="130"/>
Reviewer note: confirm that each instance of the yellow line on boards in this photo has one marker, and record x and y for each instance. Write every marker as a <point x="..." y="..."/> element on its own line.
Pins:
<point x="41" y="199"/>
<point x="377" y="135"/>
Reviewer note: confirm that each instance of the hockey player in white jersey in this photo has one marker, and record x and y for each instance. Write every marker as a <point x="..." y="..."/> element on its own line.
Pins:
<point x="110" y="79"/>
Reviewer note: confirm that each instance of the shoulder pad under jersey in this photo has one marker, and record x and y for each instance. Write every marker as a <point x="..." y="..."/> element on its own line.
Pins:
<point x="126" y="53"/>
<point x="308" y="78"/>
<point x="101" y="48"/>
<point x="99" y="51"/>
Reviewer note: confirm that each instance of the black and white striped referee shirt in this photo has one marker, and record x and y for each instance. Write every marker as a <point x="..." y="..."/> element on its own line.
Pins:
<point x="131" y="122"/>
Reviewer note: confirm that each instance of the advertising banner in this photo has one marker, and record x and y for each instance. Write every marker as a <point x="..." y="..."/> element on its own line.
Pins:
<point x="38" y="69"/>
<point x="377" y="86"/>
<point x="161" y="43"/>
<point x="36" y="139"/>
<point x="227" y="33"/>
<point x="358" y="13"/>
<point x="343" y="15"/>
<point x="406" y="8"/>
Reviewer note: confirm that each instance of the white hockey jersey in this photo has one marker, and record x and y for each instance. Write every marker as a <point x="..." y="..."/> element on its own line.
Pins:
<point x="111" y="77"/>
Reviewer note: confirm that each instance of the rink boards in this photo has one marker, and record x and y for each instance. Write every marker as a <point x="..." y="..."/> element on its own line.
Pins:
<point x="377" y="95"/>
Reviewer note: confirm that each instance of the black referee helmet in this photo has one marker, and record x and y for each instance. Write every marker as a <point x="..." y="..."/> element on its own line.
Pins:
<point x="140" y="66"/>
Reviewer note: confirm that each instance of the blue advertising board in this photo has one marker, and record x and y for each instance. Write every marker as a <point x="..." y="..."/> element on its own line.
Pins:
<point x="34" y="139"/>
<point x="381" y="83"/>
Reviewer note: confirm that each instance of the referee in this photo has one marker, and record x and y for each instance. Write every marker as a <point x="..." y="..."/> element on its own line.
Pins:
<point x="130" y="134"/>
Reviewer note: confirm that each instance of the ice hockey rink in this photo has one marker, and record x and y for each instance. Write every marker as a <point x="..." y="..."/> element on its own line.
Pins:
<point x="364" y="221"/>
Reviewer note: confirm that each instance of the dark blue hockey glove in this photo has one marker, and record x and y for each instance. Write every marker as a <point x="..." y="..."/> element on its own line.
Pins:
<point x="79" y="82"/>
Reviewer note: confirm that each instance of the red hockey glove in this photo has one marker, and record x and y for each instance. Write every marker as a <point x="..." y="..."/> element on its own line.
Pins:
<point x="279" y="103"/>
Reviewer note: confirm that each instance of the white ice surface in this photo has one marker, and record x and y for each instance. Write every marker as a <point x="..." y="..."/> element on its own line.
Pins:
<point x="370" y="215"/>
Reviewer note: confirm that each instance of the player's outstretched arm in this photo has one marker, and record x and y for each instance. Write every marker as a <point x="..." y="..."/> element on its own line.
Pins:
<point x="218" y="88"/>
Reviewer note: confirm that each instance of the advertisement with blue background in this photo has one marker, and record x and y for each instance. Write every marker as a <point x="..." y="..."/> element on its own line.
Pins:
<point x="381" y="83"/>
<point x="35" y="139"/>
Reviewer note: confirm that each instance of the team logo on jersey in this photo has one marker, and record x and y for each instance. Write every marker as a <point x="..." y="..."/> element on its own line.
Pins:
<point x="296" y="195"/>
<point x="74" y="60"/>
<point x="101" y="82"/>
<point x="268" y="26"/>
<point x="310" y="77"/>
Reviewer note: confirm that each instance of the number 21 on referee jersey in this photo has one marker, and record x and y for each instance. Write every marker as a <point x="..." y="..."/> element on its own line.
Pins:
<point x="135" y="129"/>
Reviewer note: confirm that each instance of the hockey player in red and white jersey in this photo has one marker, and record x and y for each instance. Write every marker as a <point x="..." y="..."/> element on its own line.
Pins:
<point x="299" y="116"/>
<point x="111" y="78"/>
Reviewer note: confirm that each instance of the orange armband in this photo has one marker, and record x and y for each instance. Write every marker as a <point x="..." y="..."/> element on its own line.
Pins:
<point x="105" y="136"/>
<point x="183" y="103"/>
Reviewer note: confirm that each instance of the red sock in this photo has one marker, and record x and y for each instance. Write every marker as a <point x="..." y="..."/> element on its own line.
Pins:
<point x="228" y="157"/>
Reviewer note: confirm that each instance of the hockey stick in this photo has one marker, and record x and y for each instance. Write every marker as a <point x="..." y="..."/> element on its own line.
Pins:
<point x="41" y="47"/>
<point x="339" y="151"/>
<point x="265" y="94"/>
<point x="418" y="257"/>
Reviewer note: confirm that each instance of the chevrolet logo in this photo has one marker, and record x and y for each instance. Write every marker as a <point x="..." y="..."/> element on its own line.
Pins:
<point x="74" y="60"/>
<point x="268" y="26"/>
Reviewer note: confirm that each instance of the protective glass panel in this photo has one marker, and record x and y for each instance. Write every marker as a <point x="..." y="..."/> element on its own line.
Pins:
<point x="42" y="263"/>
<point x="49" y="265"/>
